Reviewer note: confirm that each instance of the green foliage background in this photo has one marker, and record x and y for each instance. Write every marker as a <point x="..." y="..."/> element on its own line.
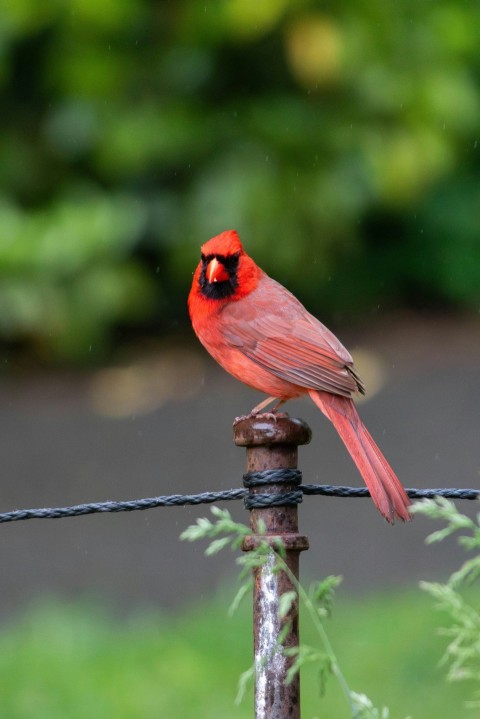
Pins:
<point x="73" y="660"/>
<point x="339" y="138"/>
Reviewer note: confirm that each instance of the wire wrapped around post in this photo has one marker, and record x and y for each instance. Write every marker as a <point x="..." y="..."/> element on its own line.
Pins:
<point x="272" y="454"/>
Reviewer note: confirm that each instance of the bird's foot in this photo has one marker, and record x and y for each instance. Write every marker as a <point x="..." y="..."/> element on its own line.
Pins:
<point x="257" y="411"/>
<point x="273" y="415"/>
<point x="240" y="418"/>
<point x="252" y="415"/>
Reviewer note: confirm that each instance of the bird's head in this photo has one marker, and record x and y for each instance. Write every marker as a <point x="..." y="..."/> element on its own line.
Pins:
<point x="225" y="269"/>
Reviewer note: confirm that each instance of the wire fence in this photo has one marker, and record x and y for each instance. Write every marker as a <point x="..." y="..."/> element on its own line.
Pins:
<point x="260" y="500"/>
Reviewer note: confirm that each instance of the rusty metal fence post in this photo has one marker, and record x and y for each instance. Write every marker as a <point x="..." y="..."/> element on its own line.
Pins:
<point x="272" y="444"/>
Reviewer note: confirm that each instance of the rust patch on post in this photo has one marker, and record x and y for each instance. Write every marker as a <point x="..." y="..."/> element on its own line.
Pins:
<point x="272" y="444"/>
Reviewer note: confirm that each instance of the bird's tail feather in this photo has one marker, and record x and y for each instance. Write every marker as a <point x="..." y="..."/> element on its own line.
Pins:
<point x="383" y="484"/>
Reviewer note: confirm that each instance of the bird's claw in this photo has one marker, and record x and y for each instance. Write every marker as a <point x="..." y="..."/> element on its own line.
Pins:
<point x="267" y="415"/>
<point x="270" y="415"/>
<point x="240" y="418"/>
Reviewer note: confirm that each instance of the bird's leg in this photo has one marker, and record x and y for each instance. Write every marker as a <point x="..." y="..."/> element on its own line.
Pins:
<point x="258" y="410"/>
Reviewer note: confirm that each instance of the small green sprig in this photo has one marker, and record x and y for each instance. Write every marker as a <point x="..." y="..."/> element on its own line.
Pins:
<point x="317" y="600"/>
<point x="462" y="655"/>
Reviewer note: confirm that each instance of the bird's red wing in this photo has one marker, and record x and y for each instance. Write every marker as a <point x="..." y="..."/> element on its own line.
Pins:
<point x="282" y="337"/>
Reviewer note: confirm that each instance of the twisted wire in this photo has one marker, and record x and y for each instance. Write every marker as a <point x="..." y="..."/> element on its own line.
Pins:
<point x="252" y="499"/>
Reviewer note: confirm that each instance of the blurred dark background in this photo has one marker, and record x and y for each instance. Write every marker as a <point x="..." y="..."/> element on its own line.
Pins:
<point x="341" y="140"/>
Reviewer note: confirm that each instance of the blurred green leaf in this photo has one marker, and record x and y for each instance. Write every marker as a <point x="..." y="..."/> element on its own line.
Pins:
<point x="341" y="141"/>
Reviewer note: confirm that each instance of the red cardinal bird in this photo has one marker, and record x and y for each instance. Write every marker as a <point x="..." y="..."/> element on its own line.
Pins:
<point x="260" y="333"/>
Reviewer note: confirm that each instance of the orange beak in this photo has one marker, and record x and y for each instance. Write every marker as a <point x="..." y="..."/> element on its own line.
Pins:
<point x="216" y="272"/>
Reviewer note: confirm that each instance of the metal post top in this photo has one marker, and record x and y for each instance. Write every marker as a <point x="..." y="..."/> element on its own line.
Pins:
<point x="270" y="429"/>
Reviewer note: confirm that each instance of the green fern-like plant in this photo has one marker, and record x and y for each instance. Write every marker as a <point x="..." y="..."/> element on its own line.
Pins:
<point x="317" y="600"/>
<point x="462" y="654"/>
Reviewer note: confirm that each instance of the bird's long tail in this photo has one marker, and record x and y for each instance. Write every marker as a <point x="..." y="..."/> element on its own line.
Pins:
<point x="383" y="484"/>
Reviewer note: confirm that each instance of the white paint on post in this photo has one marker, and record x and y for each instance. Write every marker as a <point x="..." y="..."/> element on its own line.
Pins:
<point x="269" y="658"/>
